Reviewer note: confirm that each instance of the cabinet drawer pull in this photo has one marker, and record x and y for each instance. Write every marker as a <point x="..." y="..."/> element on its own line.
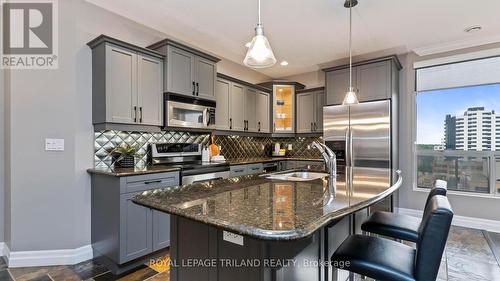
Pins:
<point x="152" y="182"/>
<point x="255" y="169"/>
<point x="239" y="171"/>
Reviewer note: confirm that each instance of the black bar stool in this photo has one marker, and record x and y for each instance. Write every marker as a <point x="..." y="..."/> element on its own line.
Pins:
<point x="385" y="259"/>
<point x="399" y="226"/>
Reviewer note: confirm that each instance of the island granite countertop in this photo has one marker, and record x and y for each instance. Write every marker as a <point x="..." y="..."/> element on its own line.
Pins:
<point x="268" y="209"/>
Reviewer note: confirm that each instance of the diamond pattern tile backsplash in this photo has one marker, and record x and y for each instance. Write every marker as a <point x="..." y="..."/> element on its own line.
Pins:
<point x="233" y="147"/>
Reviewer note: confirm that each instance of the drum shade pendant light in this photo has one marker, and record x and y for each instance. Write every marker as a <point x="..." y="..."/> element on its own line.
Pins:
<point x="351" y="96"/>
<point x="259" y="54"/>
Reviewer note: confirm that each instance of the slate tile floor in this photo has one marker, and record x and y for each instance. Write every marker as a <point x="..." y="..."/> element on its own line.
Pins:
<point x="468" y="257"/>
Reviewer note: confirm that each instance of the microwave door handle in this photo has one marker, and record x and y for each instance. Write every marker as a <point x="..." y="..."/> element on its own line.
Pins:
<point x="206" y="118"/>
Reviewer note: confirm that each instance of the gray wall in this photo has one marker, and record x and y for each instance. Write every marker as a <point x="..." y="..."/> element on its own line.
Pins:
<point x="2" y="154"/>
<point x="47" y="204"/>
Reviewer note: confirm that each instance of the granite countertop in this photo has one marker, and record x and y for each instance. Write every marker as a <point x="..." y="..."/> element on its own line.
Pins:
<point x="274" y="209"/>
<point x="125" y="172"/>
<point x="243" y="161"/>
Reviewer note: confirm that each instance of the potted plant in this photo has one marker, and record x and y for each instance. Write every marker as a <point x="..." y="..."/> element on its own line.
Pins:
<point x="125" y="155"/>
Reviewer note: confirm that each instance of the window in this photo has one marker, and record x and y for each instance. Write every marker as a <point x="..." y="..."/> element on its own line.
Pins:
<point x="458" y="106"/>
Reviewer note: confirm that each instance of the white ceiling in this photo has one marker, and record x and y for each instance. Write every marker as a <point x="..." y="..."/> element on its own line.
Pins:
<point x="309" y="33"/>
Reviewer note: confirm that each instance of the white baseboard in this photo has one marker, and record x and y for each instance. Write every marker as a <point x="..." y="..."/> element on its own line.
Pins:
<point x="47" y="258"/>
<point x="476" y="223"/>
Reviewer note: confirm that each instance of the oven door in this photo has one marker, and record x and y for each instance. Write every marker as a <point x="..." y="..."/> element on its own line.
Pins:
<point x="187" y="115"/>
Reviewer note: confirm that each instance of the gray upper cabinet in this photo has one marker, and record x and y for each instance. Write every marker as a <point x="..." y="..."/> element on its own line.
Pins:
<point x="374" y="80"/>
<point x="237" y="107"/>
<point x="188" y="71"/>
<point x="127" y="84"/>
<point x="305" y="112"/>
<point x="337" y="84"/>
<point x="180" y="72"/>
<point x="241" y="108"/>
<point x="222" y="114"/>
<point x="150" y="71"/>
<point x="263" y="112"/>
<point x="121" y="84"/>
<point x="206" y="75"/>
<point x="320" y="102"/>
<point x="310" y="111"/>
<point x="251" y="110"/>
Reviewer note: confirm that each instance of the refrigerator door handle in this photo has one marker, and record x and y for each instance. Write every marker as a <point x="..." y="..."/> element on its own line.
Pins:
<point x="351" y="156"/>
<point x="347" y="146"/>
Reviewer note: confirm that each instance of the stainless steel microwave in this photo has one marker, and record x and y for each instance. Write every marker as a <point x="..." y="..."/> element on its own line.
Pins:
<point x="187" y="112"/>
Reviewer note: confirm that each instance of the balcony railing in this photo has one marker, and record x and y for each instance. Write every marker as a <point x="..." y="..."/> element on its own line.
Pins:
<point x="465" y="171"/>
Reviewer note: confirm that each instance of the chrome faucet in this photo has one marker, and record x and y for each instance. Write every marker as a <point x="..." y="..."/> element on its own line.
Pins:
<point x="329" y="156"/>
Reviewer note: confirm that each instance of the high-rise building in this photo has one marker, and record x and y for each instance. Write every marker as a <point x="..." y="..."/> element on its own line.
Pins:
<point x="475" y="130"/>
<point x="450" y="135"/>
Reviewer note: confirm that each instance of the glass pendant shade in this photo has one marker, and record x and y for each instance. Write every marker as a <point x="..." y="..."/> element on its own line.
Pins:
<point x="259" y="54"/>
<point x="350" y="97"/>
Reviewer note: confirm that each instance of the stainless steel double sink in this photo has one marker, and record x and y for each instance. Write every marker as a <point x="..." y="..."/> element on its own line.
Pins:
<point x="295" y="176"/>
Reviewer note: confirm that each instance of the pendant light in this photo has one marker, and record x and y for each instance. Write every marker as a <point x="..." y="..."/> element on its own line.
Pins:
<point x="350" y="96"/>
<point x="259" y="54"/>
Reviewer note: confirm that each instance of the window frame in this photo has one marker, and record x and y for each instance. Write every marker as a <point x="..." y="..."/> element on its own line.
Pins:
<point x="492" y="155"/>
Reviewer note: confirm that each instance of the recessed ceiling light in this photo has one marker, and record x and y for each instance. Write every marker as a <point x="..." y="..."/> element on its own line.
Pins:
<point x="284" y="63"/>
<point x="248" y="44"/>
<point x="472" y="29"/>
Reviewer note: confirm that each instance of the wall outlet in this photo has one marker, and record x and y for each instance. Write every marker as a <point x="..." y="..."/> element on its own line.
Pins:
<point x="54" y="144"/>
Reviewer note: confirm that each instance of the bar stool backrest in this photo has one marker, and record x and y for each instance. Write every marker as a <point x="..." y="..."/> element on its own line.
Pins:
<point x="440" y="188"/>
<point x="432" y="236"/>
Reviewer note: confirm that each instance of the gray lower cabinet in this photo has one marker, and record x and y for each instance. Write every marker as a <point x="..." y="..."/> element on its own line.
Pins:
<point x="245" y="170"/>
<point x="310" y="111"/>
<point x="161" y="230"/>
<point x="373" y="80"/>
<point x="127" y="83"/>
<point x="136" y="231"/>
<point x="123" y="231"/>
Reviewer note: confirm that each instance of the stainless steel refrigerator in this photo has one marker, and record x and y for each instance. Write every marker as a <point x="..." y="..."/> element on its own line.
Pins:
<point x="365" y="135"/>
<point x="362" y="135"/>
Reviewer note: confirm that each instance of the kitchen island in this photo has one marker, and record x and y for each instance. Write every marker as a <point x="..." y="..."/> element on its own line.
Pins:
<point x="258" y="228"/>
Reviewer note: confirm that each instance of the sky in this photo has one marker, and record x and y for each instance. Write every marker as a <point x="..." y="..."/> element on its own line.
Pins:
<point x="432" y="107"/>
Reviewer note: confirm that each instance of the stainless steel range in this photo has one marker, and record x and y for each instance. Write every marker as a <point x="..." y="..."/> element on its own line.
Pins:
<point x="187" y="157"/>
